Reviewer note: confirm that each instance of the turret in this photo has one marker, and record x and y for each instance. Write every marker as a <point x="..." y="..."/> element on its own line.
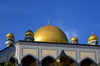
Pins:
<point x="74" y="40"/>
<point x="63" y="59"/>
<point x="9" y="39"/>
<point x="29" y="36"/>
<point x="93" y="40"/>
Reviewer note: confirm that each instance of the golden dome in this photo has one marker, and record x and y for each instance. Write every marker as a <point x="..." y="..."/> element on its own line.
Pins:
<point x="63" y="59"/>
<point x="93" y="37"/>
<point x="29" y="33"/>
<point x="50" y="34"/>
<point x="10" y="35"/>
<point x="74" y="39"/>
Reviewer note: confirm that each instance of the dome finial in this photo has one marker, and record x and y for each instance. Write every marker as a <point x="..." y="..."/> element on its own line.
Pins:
<point x="29" y="35"/>
<point x="9" y="39"/>
<point x="74" y="40"/>
<point x="63" y="59"/>
<point x="93" y="39"/>
<point x="48" y="20"/>
<point x="92" y="32"/>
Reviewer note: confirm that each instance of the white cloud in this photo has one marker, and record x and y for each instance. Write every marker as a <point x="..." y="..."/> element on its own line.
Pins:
<point x="71" y="33"/>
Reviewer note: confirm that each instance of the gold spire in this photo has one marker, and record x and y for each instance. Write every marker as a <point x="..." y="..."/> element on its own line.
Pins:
<point x="93" y="37"/>
<point x="63" y="59"/>
<point x="92" y="32"/>
<point x="49" y="21"/>
<point x="10" y="35"/>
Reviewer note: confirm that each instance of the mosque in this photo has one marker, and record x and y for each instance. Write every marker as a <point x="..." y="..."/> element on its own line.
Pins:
<point x="49" y="46"/>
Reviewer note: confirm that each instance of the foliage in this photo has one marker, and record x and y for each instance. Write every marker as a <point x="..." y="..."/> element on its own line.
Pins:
<point x="98" y="64"/>
<point x="6" y="64"/>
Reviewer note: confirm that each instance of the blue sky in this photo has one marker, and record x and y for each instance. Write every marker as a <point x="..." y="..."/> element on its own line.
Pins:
<point x="75" y="17"/>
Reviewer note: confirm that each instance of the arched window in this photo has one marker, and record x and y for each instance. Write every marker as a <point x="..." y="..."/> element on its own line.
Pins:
<point x="48" y="61"/>
<point x="87" y="62"/>
<point x="28" y="61"/>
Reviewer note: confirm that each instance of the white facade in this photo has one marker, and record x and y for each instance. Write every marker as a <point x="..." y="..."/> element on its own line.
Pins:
<point x="40" y="50"/>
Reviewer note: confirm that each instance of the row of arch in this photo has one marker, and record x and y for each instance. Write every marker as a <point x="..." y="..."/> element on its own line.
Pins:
<point x="30" y="60"/>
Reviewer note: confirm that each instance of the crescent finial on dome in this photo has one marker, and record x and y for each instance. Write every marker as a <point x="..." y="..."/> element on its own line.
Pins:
<point x="49" y="21"/>
<point x="92" y="32"/>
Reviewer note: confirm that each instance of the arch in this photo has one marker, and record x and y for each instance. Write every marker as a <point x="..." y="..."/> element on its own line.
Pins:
<point x="47" y="56"/>
<point x="48" y="61"/>
<point x="29" y="60"/>
<point x="73" y="62"/>
<point x="30" y="55"/>
<point x="13" y="60"/>
<point x="87" y="62"/>
<point x="99" y="64"/>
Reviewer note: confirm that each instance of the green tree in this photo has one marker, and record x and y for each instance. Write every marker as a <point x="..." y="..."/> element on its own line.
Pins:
<point x="6" y="64"/>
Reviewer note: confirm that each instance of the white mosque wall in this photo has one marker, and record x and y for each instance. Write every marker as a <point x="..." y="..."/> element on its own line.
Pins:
<point x="3" y="58"/>
<point x="46" y="52"/>
<point x="32" y="51"/>
<point x="84" y="54"/>
<point x="71" y="53"/>
<point x="39" y="51"/>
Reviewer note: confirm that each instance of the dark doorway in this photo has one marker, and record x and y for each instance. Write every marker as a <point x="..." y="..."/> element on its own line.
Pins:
<point x="87" y="62"/>
<point x="28" y="61"/>
<point x="72" y="62"/>
<point x="48" y="61"/>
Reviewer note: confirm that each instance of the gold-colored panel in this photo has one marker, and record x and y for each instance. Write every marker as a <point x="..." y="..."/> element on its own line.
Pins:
<point x="49" y="52"/>
<point x="30" y="51"/>
<point x="71" y="54"/>
<point x="86" y="54"/>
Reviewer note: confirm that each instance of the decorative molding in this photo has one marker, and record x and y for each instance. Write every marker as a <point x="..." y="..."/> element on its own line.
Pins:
<point x="60" y="45"/>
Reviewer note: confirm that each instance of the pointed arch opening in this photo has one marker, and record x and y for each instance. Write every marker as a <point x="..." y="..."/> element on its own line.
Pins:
<point x="87" y="62"/>
<point x="48" y="61"/>
<point x="29" y="61"/>
<point x="13" y="61"/>
<point x="73" y="62"/>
